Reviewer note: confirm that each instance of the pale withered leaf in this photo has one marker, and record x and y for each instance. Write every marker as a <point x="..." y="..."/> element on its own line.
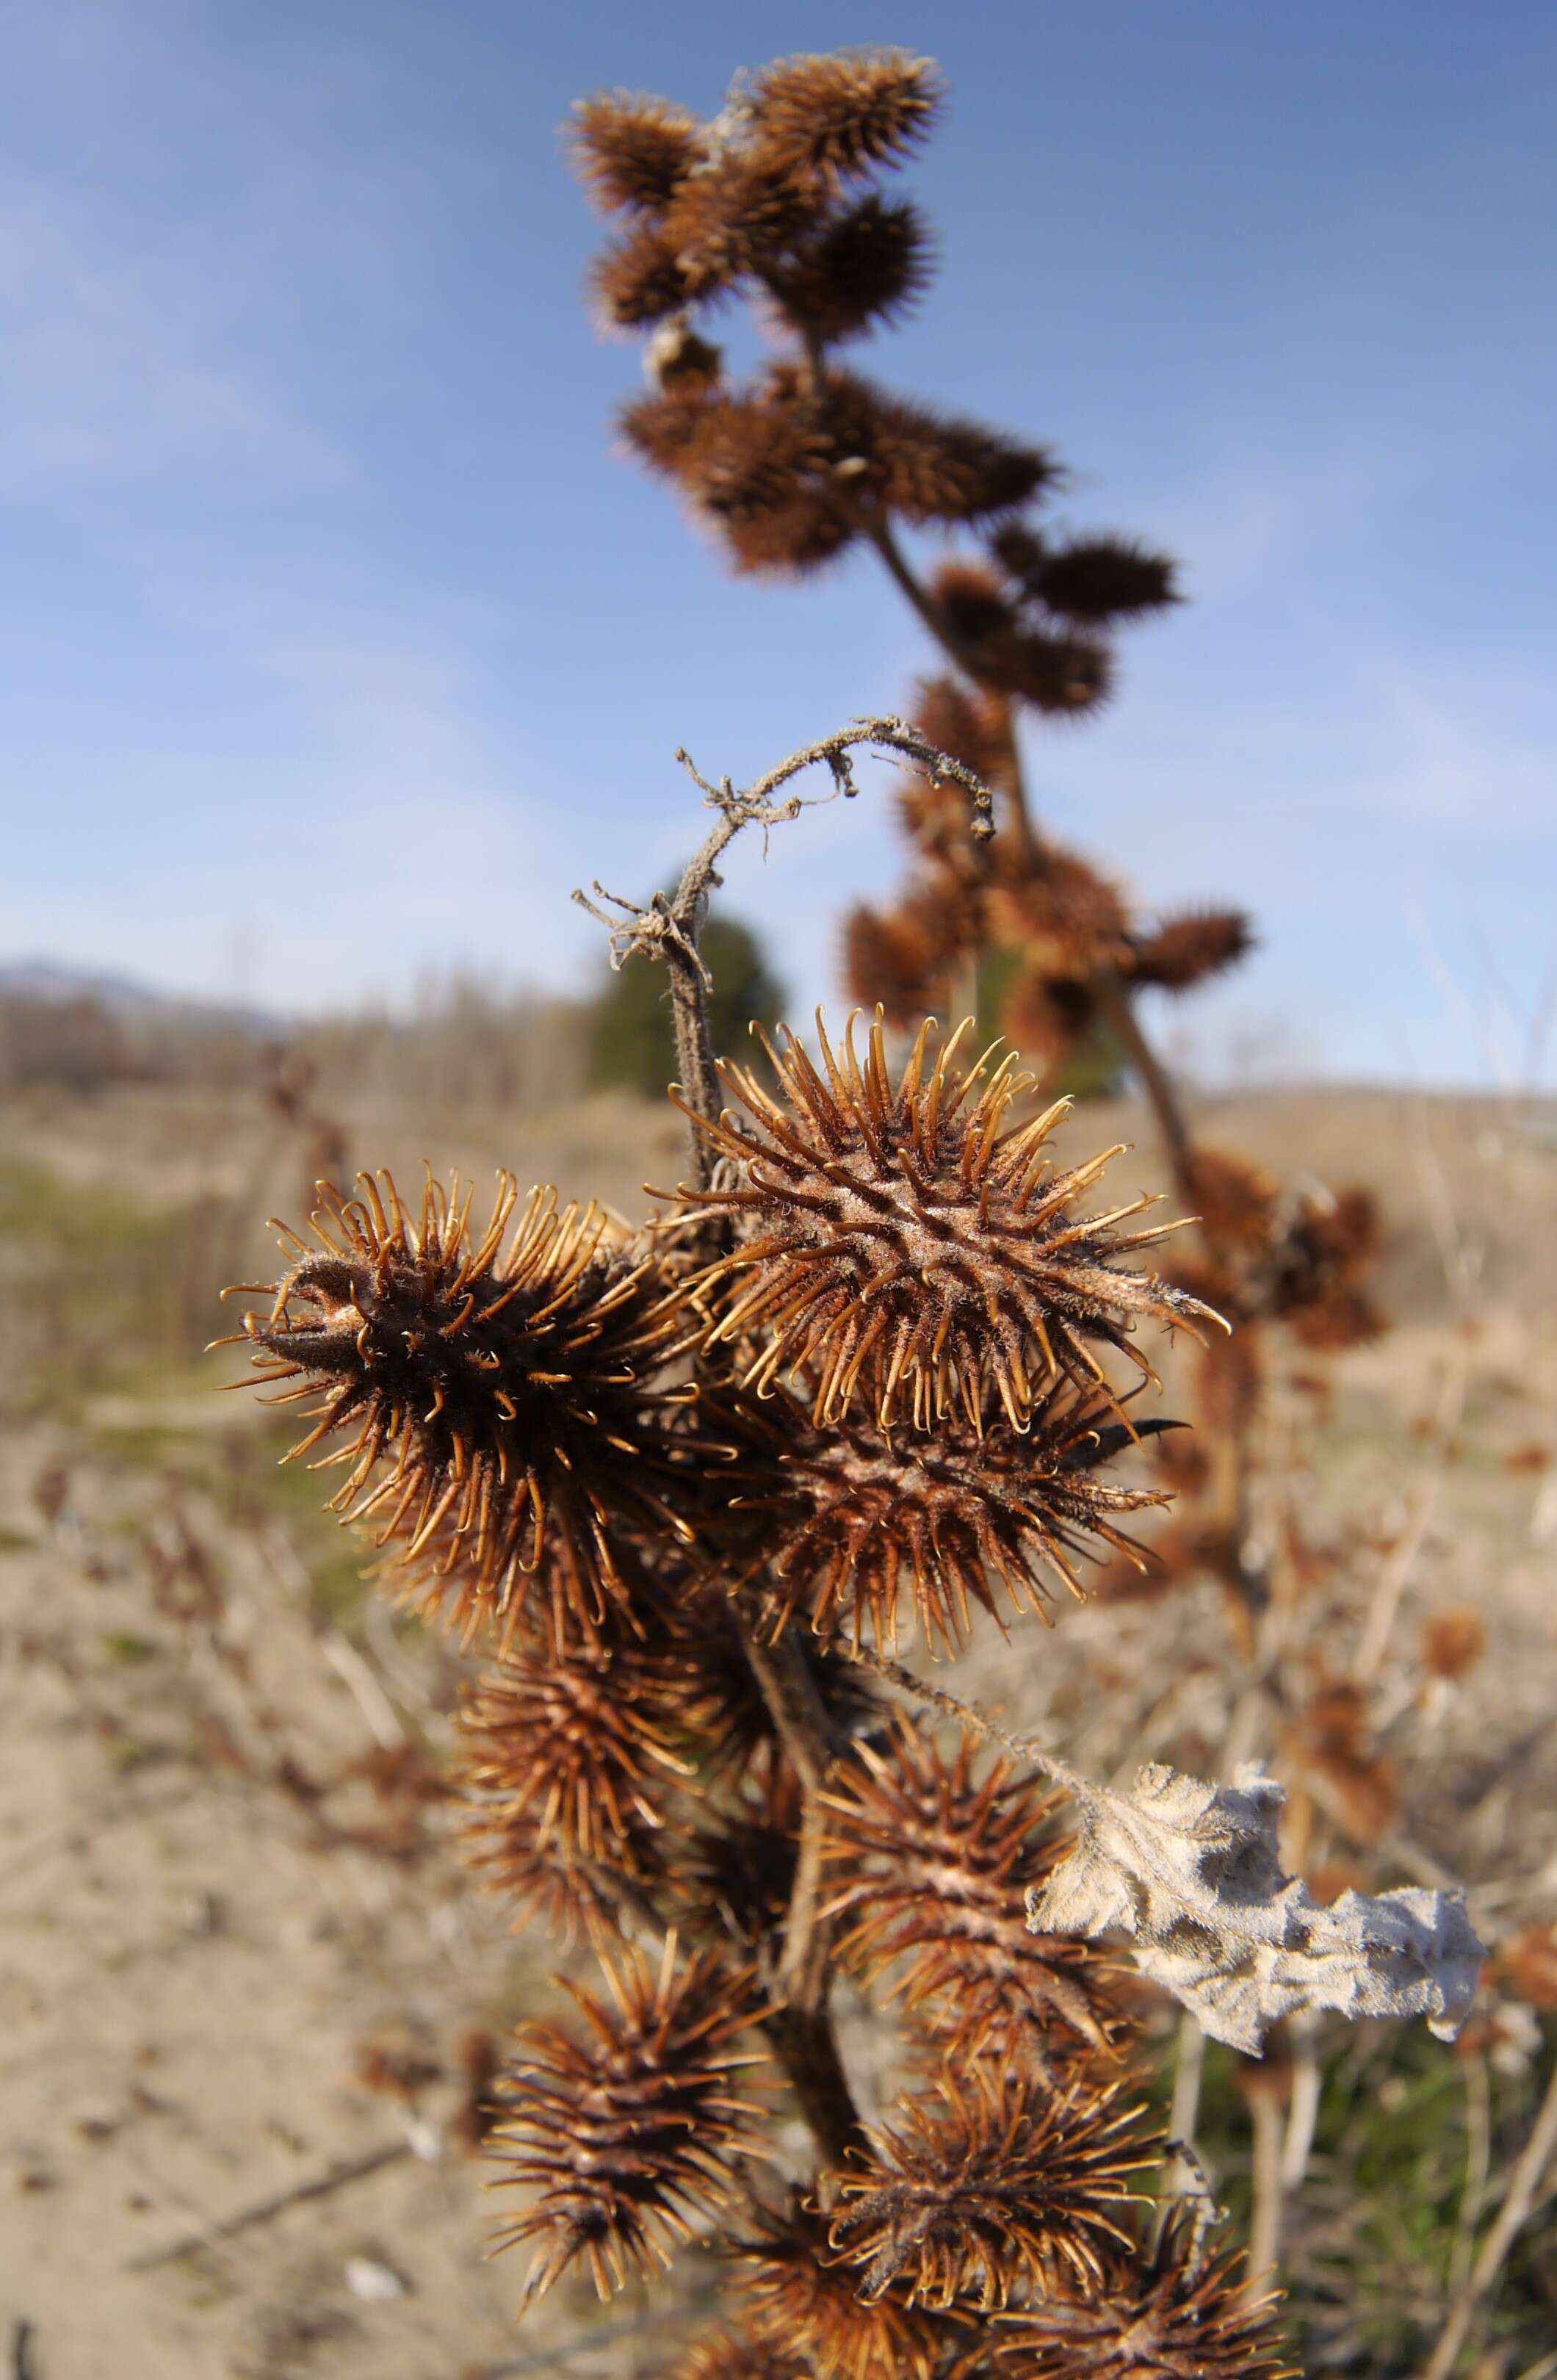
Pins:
<point x="1191" y="1872"/>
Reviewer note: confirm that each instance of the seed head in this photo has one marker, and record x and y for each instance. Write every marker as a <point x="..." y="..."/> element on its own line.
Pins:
<point x="677" y="362"/>
<point x="990" y="2183"/>
<point x="803" y="2298"/>
<point x="573" y="1897"/>
<point x="1164" y="2311"/>
<point x="937" y="466"/>
<point x="1065" y="676"/>
<point x="741" y="2355"/>
<point x="853" y="1516"/>
<point x="747" y="459"/>
<point x="627" y="2131"/>
<point x="841" y="114"/>
<point x="753" y="468"/>
<point x="935" y="927"/>
<point x="1097" y="581"/>
<point x="972" y="601"/>
<point x="929" y="1862"/>
<point x="660" y="427"/>
<point x="1452" y="1642"/>
<point x="891" y="959"/>
<point x="789" y="540"/>
<point x="1329" y="1741"/>
<point x="1066" y="920"/>
<point x="638" y="279"/>
<point x="499" y="1398"/>
<point x="901" y="1248"/>
<point x="1320" y="1266"/>
<point x="1183" y="950"/>
<point x="586" y="1743"/>
<point x="735" y="217"/>
<point x="1235" y="1201"/>
<point x="742" y="1865"/>
<point x="633" y="152"/>
<point x="866" y="265"/>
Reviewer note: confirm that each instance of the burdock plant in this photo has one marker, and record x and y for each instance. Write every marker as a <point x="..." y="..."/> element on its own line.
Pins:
<point x="871" y="1378"/>
<point x="865" y="1379"/>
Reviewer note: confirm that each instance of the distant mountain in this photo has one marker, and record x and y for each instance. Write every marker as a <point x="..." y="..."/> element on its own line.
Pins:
<point x="132" y="1002"/>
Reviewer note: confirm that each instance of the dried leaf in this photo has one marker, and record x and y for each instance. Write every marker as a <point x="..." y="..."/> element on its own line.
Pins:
<point x="1191" y="1872"/>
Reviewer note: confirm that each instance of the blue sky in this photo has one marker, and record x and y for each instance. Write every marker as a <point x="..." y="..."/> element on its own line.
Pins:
<point x="337" y="646"/>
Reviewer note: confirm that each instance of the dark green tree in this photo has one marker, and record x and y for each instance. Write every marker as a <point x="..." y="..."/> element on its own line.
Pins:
<point x="631" y="1044"/>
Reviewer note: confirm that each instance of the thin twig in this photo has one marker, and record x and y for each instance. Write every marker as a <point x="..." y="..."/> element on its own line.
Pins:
<point x="1021" y="1746"/>
<point x="267" y="2209"/>
<point x="1520" y="2196"/>
<point x="801" y="2029"/>
<point x="670" y="929"/>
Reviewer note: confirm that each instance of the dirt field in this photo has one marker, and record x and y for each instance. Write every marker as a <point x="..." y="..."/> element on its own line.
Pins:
<point x="239" y="1964"/>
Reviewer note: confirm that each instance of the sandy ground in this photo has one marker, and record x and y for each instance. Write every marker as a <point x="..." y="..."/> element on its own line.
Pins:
<point x="229" y="1908"/>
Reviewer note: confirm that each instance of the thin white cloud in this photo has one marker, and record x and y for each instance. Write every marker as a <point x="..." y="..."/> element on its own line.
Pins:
<point x="116" y="365"/>
<point x="1454" y="746"/>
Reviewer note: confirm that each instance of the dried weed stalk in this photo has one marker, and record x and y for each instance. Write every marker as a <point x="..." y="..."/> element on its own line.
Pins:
<point x="866" y="1374"/>
<point x="869" y="1371"/>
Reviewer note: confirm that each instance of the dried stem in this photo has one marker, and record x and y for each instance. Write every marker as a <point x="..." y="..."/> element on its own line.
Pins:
<point x="1267" y="2197"/>
<point x="670" y="925"/>
<point x="966" y="1715"/>
<point x="1188" y="2070"/>
<point x="266" y="2209"/>
<point x="1302" y="2112"/>
<point x="918" y="594"/>
<point x="671" y="928"/>
<point x="1118" y="1010"/>
<point x="801" y="2029"/>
